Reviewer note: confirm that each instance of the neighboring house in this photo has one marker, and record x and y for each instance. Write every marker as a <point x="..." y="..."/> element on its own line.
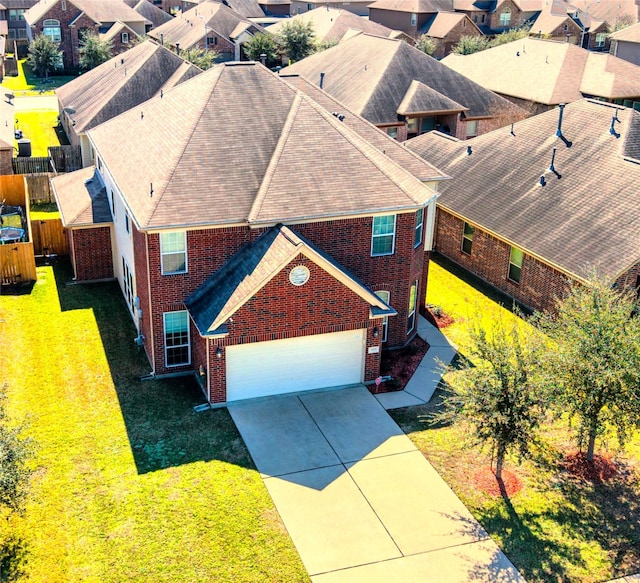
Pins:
<point x="331" y="24"/>
<point x="403" y="91"/>
<point x="625" y="44"/>
<point x="7" y="113"/>
<point x="496" y="16"/>
<point x="246" y="8"/>
<point x="278" y="8"/>
<point x="409" y="16"/>
<point x="358" y="7"/>
<point x="66" y="21"/>
<point x="528" y="214"/>
<point x="115" y="87"/>
<point x="211" y="26"/>
<point x="446" y="29"/>
<point x="540" y="74"/>
<point x="276" y="262"/>
<point x="12" y="14"/>
<point x="154" y="14"/>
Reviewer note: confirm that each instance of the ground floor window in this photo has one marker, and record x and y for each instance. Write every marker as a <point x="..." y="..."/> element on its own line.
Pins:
<point x="515" y="264"/>
<point x="384" y="296"/>
<point x="413" y="296"/>
<point x="176" y="338"/>
<point x="467" y="238"/>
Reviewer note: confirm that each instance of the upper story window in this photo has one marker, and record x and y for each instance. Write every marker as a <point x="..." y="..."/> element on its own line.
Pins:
<point x="515" y="264"/>
<point x="419" y="224"/>
<point x="505" y="17"/>
<point x="17" y="14"/>
<point x="124" y="37"/>
<point x="51" y="29"/>
<point x="383" y="235"/>
<point x="173" y="252"/>
<point x="393" y="132"/>
<point x="126" y="222"/>
<point x="472" y="128"/>
<point x="414" y="19"/>
<point x="467" y="238"/>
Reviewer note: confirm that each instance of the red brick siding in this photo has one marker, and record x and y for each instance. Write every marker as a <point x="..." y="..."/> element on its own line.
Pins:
<point x="6" y="166"/>
<point x="629" y="280"/>
<point x="92" y="255"/>
<point x="517" y="17"/>
<point x="489" y="259"/>
<point x="463" y="28"/>
<point x="142" y="286"/>
<point x="397" y="20"/>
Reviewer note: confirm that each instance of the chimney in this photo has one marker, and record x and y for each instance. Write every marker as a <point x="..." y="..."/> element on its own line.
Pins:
<point x="263" y="58"/>
<point x="321" y="80"/>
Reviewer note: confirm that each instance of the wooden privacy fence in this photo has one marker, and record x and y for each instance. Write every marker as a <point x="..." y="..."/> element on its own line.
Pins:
<point x="17" y="263"/>
<point x="32" y="165"/>
<point x="49" y="237"/>
<point x="12" y="190"/>
<point x="38" y="188"/>
<point x="65" y="158"/>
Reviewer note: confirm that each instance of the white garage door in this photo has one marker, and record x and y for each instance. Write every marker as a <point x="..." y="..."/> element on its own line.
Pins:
<point x="295" y="364"/>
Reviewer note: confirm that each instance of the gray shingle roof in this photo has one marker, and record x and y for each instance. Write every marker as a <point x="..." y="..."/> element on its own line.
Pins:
<point x="156" y="16"/>
<point x="371" y="76"/>
<point x="588" y="217"/>
<point x="237" y="144"/>
<point x="84" y="198"/>
<point x="249" y="270"/>
<point x="121" y="83"/>
<point x="417" y="6"/>
<point x="100" y="11"/>
<point x="421" y="99"/>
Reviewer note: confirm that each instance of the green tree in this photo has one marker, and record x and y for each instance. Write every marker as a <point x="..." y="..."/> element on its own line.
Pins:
<point x="44" y="55"/>
<point x="470" y="44"/>
<point x="619" y="24"/>
<point x="593" y="364"/>
<point x="509" y="35"/>
<point x="497" y="391"/>
<point x="263" y="43"/>
<point x="94" y="51"/>
<point x="428" y="45"/>
<point x="202" y="58"/>
<point x="296" y="40"/>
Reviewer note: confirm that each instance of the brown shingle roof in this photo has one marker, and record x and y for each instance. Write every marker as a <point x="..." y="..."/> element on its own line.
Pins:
<point x="589" y="216"/>
<point x="156" y="16"/>
<point x="100" y="11"/>
<point x="421" y="99"/>
<point x="630" y="34"/>
<point x="121" y="83"/>
<point x="417" y="6"/>
<point x="548" y="72"/>
<point x="443" y="22"/>
<point x="331" y="24"/>
<point x="187" y="159"/>
<point x="371" y="76"/>
<point x="84" y="198"/>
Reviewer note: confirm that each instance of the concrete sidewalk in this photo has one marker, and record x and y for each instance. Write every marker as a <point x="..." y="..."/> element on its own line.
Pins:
<point x="358" y="499"/>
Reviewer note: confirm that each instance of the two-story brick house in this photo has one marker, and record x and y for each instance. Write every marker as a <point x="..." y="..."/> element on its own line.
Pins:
<point x="276" y="261"/>
<point x="67" y="21"/>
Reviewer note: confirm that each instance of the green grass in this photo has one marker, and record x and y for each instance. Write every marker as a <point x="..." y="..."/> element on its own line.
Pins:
<point x="129" y="483"/>
<point x="557" y="528"/>
<point x="41" y="127"/>
<point x="44" y="211"/>
<point x="27" y="83"/>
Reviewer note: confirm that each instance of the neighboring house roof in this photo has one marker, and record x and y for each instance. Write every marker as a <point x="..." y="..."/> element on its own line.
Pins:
<point x="7" y="113"/>
<point x="85" y="201"/>
<point x="421" y="99"/>
<point x="442" y="23"/>
<point x="183" y="160"/>
<point x="608" y="10"/>
<point x="190" y="27"/>
<point x="548" y="72"/>
<point x="371" y="75"/>
<point x="249" y="270"/>
<point x="246" y="8"/>
<point x="98" y="10"/>
<point x="586" y="216"/>
<point x="547" y="22"/>
<point x="417" y="6"/>
<point x="121" y="83"/>
<point x="331" y="24"/>
<point x="156" y="16"/>
<point x="118" y="28"/>
<point x="630" y="34"/>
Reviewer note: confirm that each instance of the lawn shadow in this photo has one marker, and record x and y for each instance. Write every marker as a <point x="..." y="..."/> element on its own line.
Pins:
<point x="162" y="426"/>
<point x="18" y="289"/>
<point x="13" y="556"/>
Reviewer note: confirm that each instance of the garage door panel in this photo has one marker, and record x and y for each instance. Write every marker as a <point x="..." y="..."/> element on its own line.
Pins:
<point x="295" y="364"/>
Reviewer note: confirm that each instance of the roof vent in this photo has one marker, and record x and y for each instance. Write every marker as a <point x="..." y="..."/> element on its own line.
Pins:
<point x="612" y="129"/>
<point x="469" y="151"/>
<point x="543" y="181"/>
<point x="151" y="189"/>
<point x="552" y="167"/>
<point x="559" y="129"/>
<point x="321" y="79"/>
<point x="512" y="132"/>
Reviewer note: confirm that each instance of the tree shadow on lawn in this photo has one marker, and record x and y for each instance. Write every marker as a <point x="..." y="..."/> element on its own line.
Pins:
<point x="162" y="427"/>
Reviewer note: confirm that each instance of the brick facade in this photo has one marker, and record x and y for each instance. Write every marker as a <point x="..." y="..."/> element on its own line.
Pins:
<point x="489" y="260"/>
<point x="6" y="164"/>
<point x="91" y="253"/>
<point x="464" y="28"/>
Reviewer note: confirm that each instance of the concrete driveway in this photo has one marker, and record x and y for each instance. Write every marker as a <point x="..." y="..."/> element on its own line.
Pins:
<point x="360" y="502"/>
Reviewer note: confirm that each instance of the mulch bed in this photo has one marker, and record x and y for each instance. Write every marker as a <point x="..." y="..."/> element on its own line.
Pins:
<point x="486" y="481"/>
<point x="401" y="364"/>
<point x="602" y="468"/>
<point x="437" y="317"/>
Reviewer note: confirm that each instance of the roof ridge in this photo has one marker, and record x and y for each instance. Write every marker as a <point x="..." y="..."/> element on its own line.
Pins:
<point x="273" y="163"/>
<point x="196" y="122"/>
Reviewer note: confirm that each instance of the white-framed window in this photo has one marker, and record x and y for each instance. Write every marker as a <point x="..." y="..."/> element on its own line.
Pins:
<point x="383" y="235"/>
<point x="393" y="132"/>
<point x="176" y="338"/>
<point x="124" y="38"/>
<point x="411" y="312"/>
<point x="414" y="19"/>
<point x="412" y="125"/>
<point x="472" y="128"/>
<point x="467" y="238"/>
<point x="126" y="222"/>
<point x="384" y="296"/>
<point x="419" y="227"/>
<point x="505" y="17"/>
<point x="51" y="29"/>
<point x="17" y="14"/>
<point x="601" y="39"/>
<point x="127" y="279"/>
<point x="212" y="41"/>
<point x="515" y="264"/>
<point x="173" y="252"/>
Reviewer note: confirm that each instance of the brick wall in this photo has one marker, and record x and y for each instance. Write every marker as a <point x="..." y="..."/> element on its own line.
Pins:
<point x="489" y="260"/>
<point x="463" y="28"/>
<point x="6" y="166"/>
<point x="92" y="253"/>
<point x="397" y="20"/>
<point x="517" y="17"/>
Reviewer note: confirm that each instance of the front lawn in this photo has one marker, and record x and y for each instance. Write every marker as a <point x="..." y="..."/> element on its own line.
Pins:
<point x="40" y="126"/>
<point x="557" y="527"/>
<point x="130" y="484"/>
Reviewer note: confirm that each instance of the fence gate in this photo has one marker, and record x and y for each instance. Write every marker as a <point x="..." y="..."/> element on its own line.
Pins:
<point x="49" y="237"/>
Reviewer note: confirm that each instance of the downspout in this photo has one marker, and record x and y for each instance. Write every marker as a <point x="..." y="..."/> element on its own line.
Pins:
<point x="208" y="340"/>
<point x="151" y="334"/>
